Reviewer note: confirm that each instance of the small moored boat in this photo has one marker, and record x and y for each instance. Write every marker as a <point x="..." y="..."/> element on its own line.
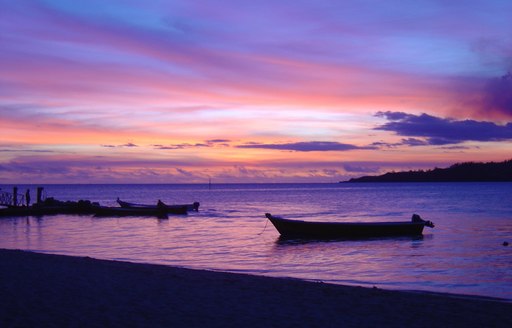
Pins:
<point x="121" y="211"/>
<point x="161" y="205"/>
<point x="348" y="230"/>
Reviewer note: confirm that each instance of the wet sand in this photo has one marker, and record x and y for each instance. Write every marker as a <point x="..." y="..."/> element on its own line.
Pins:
<point x="40" y="290"/>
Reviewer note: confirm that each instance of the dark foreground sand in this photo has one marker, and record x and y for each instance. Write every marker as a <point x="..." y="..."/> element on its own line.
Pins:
<point x="38" y="290"/>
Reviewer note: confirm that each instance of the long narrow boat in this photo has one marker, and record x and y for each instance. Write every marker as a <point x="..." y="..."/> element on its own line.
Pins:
<point x="189" y="207"/>
<point x="122" y="211"/>
<point x="348" y="230"/>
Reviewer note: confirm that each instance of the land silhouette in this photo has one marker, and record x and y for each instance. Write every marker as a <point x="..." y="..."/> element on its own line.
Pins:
<point x="460" y="172"/>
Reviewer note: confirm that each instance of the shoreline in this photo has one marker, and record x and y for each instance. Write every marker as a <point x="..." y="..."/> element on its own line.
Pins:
<point x="55" y="290"/>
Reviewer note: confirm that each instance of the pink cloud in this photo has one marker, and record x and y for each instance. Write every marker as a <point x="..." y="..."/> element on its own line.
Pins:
<point x="198" y="79"/>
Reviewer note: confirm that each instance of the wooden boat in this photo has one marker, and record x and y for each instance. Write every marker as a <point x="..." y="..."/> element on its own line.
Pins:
<point x="348" y="230"/>
<point x="122" y="211"/>
<point x="189" y="207"/>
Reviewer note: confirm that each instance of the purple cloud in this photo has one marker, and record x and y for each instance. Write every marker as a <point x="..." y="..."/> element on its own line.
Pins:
<point x="181" y="146"/>
<point x="498" y="94"/>
<point x="128" y="144"/>
<point x="307" y="146"/>
<point x="7" y="150"/>
<point x="456" y="147"/>
<point x="218" y="141"/>
<point x="184" y="172"/>
<point x="170" y="147"/>
<point x="414" y="142"/>
<point x="206" y="143"/>
<point x="357" y="168"/>
<point x="442" y="131"/>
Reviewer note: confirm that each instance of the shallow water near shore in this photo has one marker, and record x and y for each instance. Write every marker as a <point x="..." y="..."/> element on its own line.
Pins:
<point x="463" y="254"/>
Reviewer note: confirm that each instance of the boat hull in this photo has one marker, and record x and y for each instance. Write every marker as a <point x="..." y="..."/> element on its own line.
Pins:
<point x="121" y="211"/>
<point x="161" y="206"/>
<point x="322" y="230"/>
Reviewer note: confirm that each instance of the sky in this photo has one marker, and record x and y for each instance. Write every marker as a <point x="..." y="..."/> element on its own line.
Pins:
<point x="181" y="91"/>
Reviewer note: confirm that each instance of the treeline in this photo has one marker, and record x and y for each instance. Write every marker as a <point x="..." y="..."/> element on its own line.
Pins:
<point x="461" y="172"/>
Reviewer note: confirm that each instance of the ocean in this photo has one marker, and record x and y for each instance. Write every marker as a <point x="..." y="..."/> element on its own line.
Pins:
<point x="463" y="254"/>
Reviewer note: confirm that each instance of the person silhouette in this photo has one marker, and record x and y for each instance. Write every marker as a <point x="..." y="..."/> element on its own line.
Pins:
<point x="27" y="197"/>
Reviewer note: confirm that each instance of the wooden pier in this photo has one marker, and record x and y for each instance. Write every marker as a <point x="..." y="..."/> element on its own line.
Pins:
<point x="16" y="205"/>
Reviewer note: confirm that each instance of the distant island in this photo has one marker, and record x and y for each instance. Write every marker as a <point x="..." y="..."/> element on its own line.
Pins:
<point x="461" y="172"/>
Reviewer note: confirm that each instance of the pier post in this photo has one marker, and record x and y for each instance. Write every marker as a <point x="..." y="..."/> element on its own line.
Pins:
<point x="15" y="196"/>
<point x="39" y="194"/>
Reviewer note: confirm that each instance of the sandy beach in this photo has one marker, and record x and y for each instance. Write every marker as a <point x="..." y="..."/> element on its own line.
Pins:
<point x="41" y="290"/>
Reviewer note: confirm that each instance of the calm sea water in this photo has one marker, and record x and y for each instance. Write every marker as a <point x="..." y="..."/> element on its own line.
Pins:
<point x="464" y="253"/>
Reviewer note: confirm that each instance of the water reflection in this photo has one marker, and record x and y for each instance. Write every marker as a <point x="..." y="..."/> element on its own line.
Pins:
<point x="289" y="241"/>
<point x="462" y="254"/>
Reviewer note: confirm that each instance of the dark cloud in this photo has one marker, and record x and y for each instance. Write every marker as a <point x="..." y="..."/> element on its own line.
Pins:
<point x="180" y="146"/>
<point x="97" y="169"/>
<point x="359" y="168"/>
<point x="456" y="147"/>
<point x="184" y="172"/>
<point x="24" y="168"/>
<point x="380" y="144"/>
<point x="172" y="147"/>
<point x="407" y="142"/>
<point x="129" y="144"/>
<point x="7" y="150"/>
<point x="306" y="146"/>
<point x="206" y="143"/>
<point x="218" y="141"/>
<point x="495" y="93"/>
<point x="442" y="131"/>
<point x="498" y="94"/>
<point x="414" y="142"/>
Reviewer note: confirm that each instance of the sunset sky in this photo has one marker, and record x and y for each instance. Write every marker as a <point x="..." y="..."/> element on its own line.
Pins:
<point x="182" y="91"/>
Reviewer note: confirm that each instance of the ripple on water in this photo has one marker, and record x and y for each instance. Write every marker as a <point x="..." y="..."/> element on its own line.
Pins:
<point x="463" y="254"/>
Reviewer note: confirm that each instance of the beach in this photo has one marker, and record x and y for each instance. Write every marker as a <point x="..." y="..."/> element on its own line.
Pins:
<point x="43" y="290"/>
